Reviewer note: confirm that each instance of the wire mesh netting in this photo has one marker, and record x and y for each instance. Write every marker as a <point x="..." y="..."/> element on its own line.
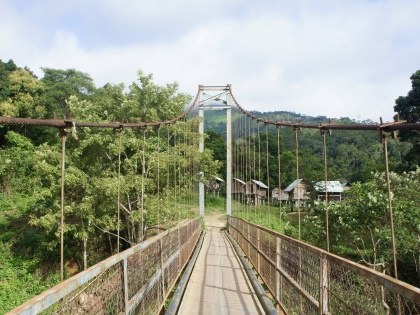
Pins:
<point x="307" y="280"/>
<point x="104" y="294"/>
<point x="136" y="281"/>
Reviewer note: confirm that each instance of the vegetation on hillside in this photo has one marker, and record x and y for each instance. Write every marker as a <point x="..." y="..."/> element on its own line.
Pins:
<point x="152" y="192"/>
<point x="30" y="166"/>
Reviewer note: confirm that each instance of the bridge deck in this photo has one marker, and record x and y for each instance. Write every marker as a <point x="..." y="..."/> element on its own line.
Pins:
<point x="218" y="284"/>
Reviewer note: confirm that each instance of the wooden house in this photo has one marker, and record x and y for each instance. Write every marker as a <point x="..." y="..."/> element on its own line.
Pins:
<point x="298" y="191"/>
<point x="334" y="190"/>
<point x="279" y="195"/>
<point x="255" y="192"/>
<point x="346" y="187"/>
<point x="238" y="189"/>
<point x="214" y="185"/>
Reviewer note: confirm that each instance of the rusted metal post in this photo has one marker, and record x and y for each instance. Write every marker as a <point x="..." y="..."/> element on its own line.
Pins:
<point x="258" y="251"/>
<point x="126" y="308"/>
<point x="179" y="248"/>
<point x="162" y="266"/>
<point x="278" y="276"/>
<point x="248" y="240"/>
<point x="323" y="285"/>
<point x="63" y="135"/>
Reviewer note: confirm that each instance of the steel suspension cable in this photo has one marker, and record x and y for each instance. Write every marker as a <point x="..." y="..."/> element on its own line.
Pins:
<point x="158" y="179"/>
<point x="241" y="189"/>
<point x="143" y="173"/>
<point x="183" y="166"/>
<point x="384" y="140"/>
<point x="323" y="132"/>
<point x="63" y="135"/>
<point x="391" y="215"/>
<point x="190" y="163"/>
<point x="297" y="178"/>
<point x="168" y="173"/>
<point x="179" y="160"/>
<point x="243" y="162"/>
<point x="175" y="173"/>
<point x="239" y="166"/>
<point x="234" y="152"/>
<point x="119" y="189"/>
<point x="279" y="174"/>
<point x="268" y="174"/>
<point x="257" y="191"/>
<point x="250" y="166"/>
<point x="255" y="168"/>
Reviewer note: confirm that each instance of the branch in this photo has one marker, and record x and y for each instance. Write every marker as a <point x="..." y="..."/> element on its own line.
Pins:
<point x="108" y="156"/>
<point x="105" y="231"/>
<point x="128" y="211"/>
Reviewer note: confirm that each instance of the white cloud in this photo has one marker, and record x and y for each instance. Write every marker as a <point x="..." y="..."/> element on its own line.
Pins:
<point x="341" y="58"/>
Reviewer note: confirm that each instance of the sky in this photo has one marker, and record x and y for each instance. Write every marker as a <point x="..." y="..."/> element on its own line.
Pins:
<point x="334" y="58"/>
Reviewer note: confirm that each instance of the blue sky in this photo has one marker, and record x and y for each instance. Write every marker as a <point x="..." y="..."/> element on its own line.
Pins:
<point x="316" y="57"/>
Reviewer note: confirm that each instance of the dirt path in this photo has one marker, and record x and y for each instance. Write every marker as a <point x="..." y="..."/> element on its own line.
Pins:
<point x="218" y="284"/>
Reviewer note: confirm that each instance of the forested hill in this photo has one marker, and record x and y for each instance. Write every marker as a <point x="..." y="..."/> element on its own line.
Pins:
<point x="353" y="155"/>
<point x="216" y="120"/>
<point x="30" y="170"/>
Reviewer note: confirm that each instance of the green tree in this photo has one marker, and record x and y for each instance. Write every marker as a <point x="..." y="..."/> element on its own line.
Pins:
<point x="216" y="143"/>
<point x="60" y="85"/>
<point x="92" y="169"/>
<point x="360" y="225"/>
<point x="408" y="108"/>
<point x="24" y="96"/>
<point x="147" y="101"/>
<point x="4" y="82"/>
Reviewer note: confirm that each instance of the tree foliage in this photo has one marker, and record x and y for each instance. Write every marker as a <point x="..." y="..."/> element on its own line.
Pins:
<point x="152" y="190"/>
<point x="408" y="108"/>
<point x="159" y="172"/>
<point x="362" y="221"/>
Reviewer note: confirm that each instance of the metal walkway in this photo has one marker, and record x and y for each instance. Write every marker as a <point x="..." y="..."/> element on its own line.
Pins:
<point x="218" y="284"/>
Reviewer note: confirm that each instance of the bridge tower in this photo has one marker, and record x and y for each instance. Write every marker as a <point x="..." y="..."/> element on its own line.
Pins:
<point x="217" y="98"/>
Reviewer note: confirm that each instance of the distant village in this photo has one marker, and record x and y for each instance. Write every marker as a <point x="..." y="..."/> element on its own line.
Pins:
<point x="299" y="193"/>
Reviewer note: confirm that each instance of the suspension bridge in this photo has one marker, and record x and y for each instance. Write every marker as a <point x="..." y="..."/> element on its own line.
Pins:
<point x="221" y="264"/>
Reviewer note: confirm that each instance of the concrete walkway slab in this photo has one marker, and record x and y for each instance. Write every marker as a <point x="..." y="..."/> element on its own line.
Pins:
<point x="218" y="284"/>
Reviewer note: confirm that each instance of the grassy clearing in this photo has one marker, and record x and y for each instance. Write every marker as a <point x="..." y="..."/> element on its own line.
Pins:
<point x="269" y="217"/>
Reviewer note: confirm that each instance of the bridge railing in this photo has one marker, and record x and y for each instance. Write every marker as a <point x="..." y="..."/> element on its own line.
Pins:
<point x="304" y="279"/>
<point x="136" y="281"/>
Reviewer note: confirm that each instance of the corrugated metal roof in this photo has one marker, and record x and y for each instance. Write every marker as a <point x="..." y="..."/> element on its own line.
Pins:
<point x="332" y="186"/>
<point x="262" y="185"/>
<point x="218" y="178"/>
<point x="237" y="179"/>
<point x="293" y="185"/>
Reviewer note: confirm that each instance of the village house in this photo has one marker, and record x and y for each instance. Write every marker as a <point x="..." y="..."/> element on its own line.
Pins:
<point x="238" y="189"/>
<point x="298" y="193"/>
<point x="334" y="190"/>
<point x="214" y="185"/>
<point x="279" y="195"/>
<point x="346" y="187"/>
<point x="256" y="192"/>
